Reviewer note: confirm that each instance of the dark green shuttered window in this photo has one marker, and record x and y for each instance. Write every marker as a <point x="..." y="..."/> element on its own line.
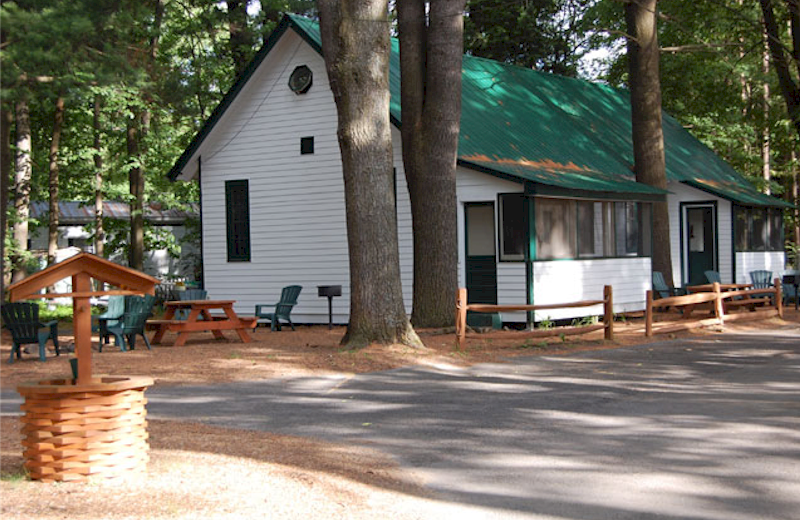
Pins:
<point x="237" y="219"/>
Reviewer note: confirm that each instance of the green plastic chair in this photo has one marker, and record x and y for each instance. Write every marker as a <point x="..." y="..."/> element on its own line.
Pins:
<point x="789" y="292"/>
<point x="662" y="289"/>
<point x="761" y="279"/>
<point x="712" y="276"/>
<point x="283" y="308"/>
<point x="187" y="295"/>
<point x="114" y="311"/>
<point x="131" y="323"/>
<point x="22" y="320"/>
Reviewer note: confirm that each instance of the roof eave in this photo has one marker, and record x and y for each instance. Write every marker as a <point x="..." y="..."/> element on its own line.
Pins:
<point x="177" y="169"/>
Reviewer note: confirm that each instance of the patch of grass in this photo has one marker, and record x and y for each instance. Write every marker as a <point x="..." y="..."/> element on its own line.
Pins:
<point x="234" y="355"/>
<point x="14" y="477"/>
<point x="585" y="321"/>
<point x="546" y="324"/>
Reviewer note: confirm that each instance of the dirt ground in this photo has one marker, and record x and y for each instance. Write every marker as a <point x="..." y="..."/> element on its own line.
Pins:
<point x="195" y="470"/>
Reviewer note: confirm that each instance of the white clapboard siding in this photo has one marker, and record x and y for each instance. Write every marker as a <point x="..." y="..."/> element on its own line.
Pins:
<point x="473" y="186"/>
<point x="297" y="216"/>
<point x="683" y="193"/>
<point x="298" y="227"/>
<point x="759" y="260"/>
<point x="576" y="280"/>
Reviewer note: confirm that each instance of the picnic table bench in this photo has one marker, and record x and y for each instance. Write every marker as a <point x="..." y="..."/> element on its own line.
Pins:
<point x="214" y="323"/>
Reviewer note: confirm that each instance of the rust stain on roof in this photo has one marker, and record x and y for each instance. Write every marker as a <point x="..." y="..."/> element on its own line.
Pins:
<point x="546" y="164"/>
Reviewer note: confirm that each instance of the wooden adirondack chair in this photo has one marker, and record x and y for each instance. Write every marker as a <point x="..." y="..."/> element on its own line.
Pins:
<point x="283" y="308"/>
<point x="137" y="310"/>
<point x="22" y="319"/>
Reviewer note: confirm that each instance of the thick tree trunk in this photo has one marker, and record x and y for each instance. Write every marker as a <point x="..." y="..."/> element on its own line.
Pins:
<point x="431" y="48"/>
<point x="99" y="229"/>
<point x="355" y="39"/>
<point x="765" y="134"/>
<point x="789" y="86"/>
<point x="58" y="123"/>
<point x="241" y="41"/>
<point x="6" y="120"/>
<point x="22" y="186"/>
<point x="136" y="180"/>
<point x="648" y="136"/>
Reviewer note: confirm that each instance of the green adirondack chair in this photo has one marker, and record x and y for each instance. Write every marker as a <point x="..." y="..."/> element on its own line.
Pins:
<point x="712" y="276"/>
<point x="114" y="311"/>
<point x="662" y="289"/>
<point x="761" y="279"/>
<point x="22" y="320"/>
<point x="131" y="323"/>
<point x="283" y="308"/>
<point x="189" y="294"/>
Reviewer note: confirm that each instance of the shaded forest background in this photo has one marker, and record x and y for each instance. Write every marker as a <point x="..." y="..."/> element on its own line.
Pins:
<point x="99" y="98"/>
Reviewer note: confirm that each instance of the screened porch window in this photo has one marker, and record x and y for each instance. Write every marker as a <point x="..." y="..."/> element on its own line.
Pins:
<point x="237" y="220"/>
<point x="555" y="229"/>
<point x="568" y="229"/>
<point x="758" y="229"/>
<point x="513" y="226"/>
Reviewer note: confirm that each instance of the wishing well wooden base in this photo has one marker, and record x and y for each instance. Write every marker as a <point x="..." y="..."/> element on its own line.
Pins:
<point x="76" y="432"/>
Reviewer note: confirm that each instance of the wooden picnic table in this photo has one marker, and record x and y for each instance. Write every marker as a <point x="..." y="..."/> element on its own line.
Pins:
<point x="210" y="323"/>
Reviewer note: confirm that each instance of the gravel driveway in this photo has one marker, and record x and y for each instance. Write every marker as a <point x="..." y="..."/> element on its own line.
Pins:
<point x="701" y="429"/>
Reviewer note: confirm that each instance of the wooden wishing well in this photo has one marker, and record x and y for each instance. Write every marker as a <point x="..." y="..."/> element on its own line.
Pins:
<point x="90" y="426"/>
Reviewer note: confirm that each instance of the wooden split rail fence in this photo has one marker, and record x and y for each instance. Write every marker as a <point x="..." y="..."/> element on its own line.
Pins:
<point x="607" y="325"/>
<point x="719" y="300"/>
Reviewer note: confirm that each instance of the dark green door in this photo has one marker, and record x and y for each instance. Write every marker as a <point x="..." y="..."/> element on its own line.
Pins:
<point x="481" y="263"/>
<point x="700" y="243"/>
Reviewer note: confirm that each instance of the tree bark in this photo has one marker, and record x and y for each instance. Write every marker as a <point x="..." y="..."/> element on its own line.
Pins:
<point x="355" y="42"/>
<point x="136" y="181"/>
<point x="789" y="86"/>
<point x="765" y="133"/>
<point x="241" y="41"/>
<point x="22" y="187"/>
<point x="58" y="123"/>
<point x="6" y="120"/>
<point x="648" y="135"/>
<point x="99" y="229"/>
<point x="431" y="48"/>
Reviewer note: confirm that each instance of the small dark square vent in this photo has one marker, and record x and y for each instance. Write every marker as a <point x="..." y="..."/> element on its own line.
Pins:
<point x="306" y="145"/>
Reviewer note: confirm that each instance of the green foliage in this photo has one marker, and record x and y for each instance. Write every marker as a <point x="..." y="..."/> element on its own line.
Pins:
<point x="585" y="321"/>
<point x="49" y="311"/>
<point x="539" y="34"/>
<point x="546" y="324"/>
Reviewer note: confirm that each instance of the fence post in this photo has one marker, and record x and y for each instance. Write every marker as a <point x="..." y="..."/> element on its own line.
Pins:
<point x="648" y="315"/>
<point x="779" y="297"/>
<point x="461" y="317"/>
<point x="608" y="312"/>
<point x="719" y="311"/>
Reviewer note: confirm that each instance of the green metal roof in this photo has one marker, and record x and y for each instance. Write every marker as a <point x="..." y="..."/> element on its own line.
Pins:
<point x="545" y="129"/>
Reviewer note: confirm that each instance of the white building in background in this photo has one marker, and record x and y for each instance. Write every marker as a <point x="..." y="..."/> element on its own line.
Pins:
<point x="75" y="220"/>
<point x="549" y="210"/>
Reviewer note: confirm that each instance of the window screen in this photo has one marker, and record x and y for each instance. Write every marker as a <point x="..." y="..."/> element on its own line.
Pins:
<point x="555" y="229"/>
<point x="513" y="226"/>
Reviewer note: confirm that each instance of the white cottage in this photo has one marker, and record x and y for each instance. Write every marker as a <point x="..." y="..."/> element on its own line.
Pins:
<point x="548" y="208"/>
